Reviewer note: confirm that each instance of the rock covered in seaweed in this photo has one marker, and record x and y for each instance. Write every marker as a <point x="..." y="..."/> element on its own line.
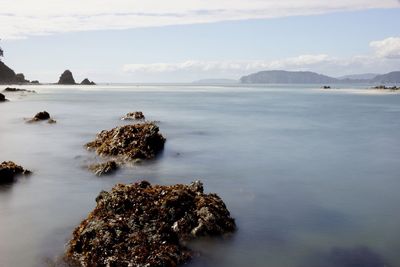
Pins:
<point x="144" y="225"/>
<point x="9" y="170"/>
<point x="137" y="115"/>
<point x="103" y="168"/>
<point x="129" y="142"/>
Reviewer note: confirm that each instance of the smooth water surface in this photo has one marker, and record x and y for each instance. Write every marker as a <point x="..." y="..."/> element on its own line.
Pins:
<point x="311" y="176"/>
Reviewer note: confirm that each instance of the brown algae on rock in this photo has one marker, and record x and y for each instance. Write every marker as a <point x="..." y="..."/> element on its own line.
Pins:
<point x="144" y="225"/>
<point x="129" y="142"/>
<point x="105" y="168"/>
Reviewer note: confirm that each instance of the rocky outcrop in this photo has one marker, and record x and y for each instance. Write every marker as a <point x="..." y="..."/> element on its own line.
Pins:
<point x="383" y="87"/>
<point x="13" y="90"/>
<point x="129" y="142"/>
<point x="137" y="115"/>
<point x="8" y="76"/>
<point x="3" y="98"/>
<point x="144" y="225"/>
<point x="66" y="78"/>
<point x="86" y="81"/>
<point x="42" y="116"/>
<point x="9" y="170"/>
<point x="103" y="168"/>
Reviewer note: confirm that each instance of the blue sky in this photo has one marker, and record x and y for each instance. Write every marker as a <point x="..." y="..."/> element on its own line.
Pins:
<point x="333" y="42"/>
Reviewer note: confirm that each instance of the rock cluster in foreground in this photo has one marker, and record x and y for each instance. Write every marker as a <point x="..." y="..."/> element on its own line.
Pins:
<point x="144" y="225"/>
<point x="9" y="170"/>
<point x="129" y="142"/>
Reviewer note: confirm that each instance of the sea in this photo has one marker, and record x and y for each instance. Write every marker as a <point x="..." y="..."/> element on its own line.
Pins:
<point x="311" y="176"/>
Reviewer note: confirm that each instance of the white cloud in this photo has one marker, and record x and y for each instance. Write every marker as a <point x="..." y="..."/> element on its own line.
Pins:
<point x="384" y="58"/>
<point x="228" y="66"/>
<point x="388" y="48"/>
<point x="21" y="18"/>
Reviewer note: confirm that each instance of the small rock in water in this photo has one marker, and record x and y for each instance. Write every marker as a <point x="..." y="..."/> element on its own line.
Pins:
<point x="129" y="142"/>
<point x="42" y="116"/>
<point x="9" y="170"/>
<point x="103" y="168"/>
<point x="144" y="225"/>
<point x="10" y="89"/>
<point x="137" y="115"/>
<point x="2" y="98"/>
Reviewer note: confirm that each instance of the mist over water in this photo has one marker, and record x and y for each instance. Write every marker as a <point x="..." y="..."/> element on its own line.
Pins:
<point x="310" y="175"/>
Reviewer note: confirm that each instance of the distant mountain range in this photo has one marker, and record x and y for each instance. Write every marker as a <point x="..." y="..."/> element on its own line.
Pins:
<point x="307" y="77"/>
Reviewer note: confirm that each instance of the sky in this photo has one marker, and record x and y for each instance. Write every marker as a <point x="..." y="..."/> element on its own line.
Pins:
<point x="187" y="40"/>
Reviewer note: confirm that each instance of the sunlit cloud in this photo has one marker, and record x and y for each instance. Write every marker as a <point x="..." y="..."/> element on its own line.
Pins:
<point x="20" y="18"/>
<point x="388" y="48"/>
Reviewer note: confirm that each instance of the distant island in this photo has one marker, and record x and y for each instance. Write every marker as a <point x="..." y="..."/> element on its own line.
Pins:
<point x="308" y="77"/>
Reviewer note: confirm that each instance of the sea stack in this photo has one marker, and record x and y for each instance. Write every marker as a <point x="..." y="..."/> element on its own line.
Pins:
<point x="66" y="78"/>
<point x="86" y="81"/>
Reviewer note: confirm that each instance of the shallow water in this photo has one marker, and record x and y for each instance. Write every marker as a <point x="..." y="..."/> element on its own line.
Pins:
<point x="307" y="173"/>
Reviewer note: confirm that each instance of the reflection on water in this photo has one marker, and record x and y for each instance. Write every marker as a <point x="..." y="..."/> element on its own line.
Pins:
<point x="302" y="170"/>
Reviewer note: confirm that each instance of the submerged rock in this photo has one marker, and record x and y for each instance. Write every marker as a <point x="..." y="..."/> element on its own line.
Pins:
<point x="66" y="78"/>
<point x="42" y="116"/>
<point x="129" y="142"/>
<point x="2" y="98"/>
<point x="137" y="115"/>
<point x="87" y="82"/>
<point x="9" y="170"/>
<point x="10" y="89"/>
<point x="144" y="225"/>
<point x="103" y="168"/>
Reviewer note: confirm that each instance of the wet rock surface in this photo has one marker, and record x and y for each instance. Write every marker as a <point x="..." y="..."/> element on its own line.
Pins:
<point x="144" y="225"/>
<point x="137" y="115"/>
<point x="129" y="142"/>
<point x="12" y="90"/>
<point x="9" y="170"/>
<point x="103" y="168"/>
<point x="42" y="116"/>
<point x="2" y="98"/>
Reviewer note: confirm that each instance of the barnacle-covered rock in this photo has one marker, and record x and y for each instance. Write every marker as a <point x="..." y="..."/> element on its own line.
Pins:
<point x="144" y="225"/>
<point x="104" y="168"/>
<point x="129" y="142"/>
<point x="9" y="170"/>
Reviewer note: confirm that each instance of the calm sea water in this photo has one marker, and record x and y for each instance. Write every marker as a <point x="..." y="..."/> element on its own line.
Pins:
<point x="311" y="176"/>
